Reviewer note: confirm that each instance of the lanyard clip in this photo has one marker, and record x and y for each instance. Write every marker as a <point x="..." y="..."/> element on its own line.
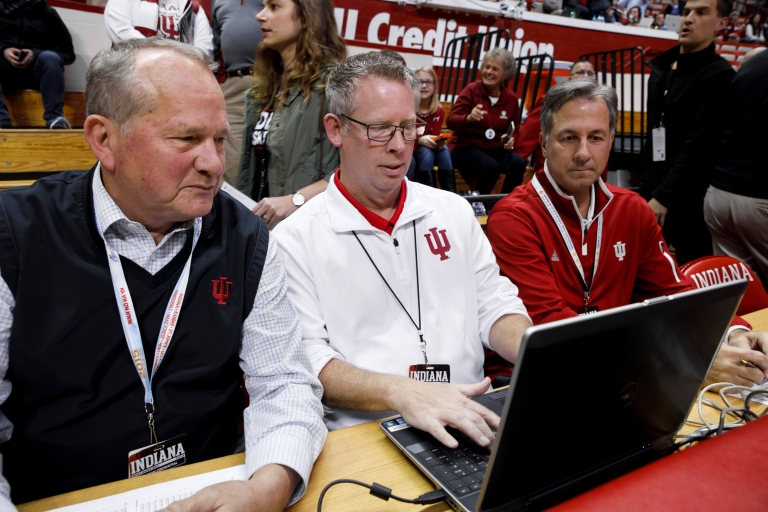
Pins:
<point x="149" y="408"/>
<point x="423" y="345"/>
<point x="586" y="297"/>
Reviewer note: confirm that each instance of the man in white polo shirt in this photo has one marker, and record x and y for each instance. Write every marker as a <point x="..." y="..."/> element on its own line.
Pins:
<point x="393" y="279"/>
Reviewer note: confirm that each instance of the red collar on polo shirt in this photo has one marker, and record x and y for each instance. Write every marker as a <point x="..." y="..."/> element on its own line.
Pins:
<point x="376" y="221"/>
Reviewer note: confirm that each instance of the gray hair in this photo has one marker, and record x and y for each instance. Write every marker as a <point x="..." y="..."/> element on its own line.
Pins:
<point x="115" y="90"/>
<point x="344" y="79"/>
<point x="579" y="89"/>
<point x="507" y="60"/>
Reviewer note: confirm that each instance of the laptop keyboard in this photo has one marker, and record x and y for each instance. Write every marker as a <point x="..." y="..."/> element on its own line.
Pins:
<point x="460" y="469"/>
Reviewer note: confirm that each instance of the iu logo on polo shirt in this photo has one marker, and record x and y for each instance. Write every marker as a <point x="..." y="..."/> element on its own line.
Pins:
<point x="221" y="289"/>
<point x="441" y="244"/>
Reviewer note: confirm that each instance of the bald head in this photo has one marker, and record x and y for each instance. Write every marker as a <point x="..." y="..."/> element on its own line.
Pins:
<point x="751" y="53"/>
<point x="121" y="81"/>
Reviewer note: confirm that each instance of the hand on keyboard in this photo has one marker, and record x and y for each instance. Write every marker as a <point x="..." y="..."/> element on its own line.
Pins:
<point x="432" y="407"/>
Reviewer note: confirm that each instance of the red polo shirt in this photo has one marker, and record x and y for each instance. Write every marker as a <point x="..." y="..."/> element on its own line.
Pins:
<point x="376" y="221"/>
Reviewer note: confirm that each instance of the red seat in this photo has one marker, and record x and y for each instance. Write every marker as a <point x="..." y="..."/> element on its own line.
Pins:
<point x="711" y="270"/>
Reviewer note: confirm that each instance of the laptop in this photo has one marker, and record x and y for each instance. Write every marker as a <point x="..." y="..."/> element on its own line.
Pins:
<point x="645" y="22"/>
<point x="673" y="22"/>
<point x="591" y="398"/>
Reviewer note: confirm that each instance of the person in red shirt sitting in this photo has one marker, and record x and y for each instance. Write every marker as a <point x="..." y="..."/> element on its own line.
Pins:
<point x="431" y="149"/>
<point x="576" y="245"/>
<point x="480" y="119"/>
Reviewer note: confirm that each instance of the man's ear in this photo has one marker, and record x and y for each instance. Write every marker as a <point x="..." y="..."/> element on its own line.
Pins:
<point x="102" y="136"/>
<point x="720" y="25"/>
<point x="334" y="126"/>
<point x="543" y="143"/>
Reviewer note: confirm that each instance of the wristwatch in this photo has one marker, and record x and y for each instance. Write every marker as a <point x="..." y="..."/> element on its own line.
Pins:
<point x="298" y="199"/>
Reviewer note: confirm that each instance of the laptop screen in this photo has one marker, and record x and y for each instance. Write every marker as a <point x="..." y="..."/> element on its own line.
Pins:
<point x="588" y="392"/>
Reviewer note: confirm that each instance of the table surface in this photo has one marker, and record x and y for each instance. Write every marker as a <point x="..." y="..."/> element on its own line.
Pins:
<point x="348" y="453"/>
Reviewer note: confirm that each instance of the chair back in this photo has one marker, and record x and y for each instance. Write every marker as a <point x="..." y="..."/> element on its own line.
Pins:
<point x="711" y="270"/>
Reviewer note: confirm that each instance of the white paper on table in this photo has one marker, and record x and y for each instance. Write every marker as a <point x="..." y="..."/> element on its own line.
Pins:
<point x="761" y="399"/>
<point x="158" y="496"/>
<point x="239" y="196"/>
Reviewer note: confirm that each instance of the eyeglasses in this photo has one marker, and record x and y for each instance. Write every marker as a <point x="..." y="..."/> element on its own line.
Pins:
<point x="385" y="132"/>
<point x="581" y="72"/>
<point x="426" y="82"/>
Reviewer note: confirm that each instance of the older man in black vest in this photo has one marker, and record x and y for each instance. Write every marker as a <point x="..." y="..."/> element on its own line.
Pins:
<point x="134" y="297"/>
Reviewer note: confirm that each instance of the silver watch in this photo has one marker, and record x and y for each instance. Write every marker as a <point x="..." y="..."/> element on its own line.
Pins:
<point x="298" y="199"/>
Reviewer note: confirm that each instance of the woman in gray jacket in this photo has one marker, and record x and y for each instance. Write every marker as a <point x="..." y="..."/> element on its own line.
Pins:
<point x="286" y="157"/>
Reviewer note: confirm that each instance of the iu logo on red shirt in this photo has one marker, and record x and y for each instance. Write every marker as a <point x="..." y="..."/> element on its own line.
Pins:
<point x="221" y="289"/>
<point x="441" y="244"/>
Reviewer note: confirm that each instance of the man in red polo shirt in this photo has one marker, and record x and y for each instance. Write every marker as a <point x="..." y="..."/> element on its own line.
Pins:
<point x="577" y="245"/>
<point x="394" y="282"/>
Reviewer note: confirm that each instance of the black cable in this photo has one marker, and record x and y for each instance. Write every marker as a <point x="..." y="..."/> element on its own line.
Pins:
<point x="384" y="493"/>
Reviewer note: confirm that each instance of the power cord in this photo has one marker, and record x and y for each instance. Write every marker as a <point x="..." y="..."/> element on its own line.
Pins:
<point x="385" y="493"/>
<point x="743" y="415"/>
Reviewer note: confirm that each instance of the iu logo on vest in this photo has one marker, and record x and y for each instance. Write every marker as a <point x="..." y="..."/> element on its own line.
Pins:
<point x="441" y="245"/>
<point x="221" y="289"/>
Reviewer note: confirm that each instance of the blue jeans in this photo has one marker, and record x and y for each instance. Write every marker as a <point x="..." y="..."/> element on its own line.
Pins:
<point x="427" y="158"/>
<point x="424" y="160"/>
<point x="474" y="163"/>
<point x="46" y="74"/>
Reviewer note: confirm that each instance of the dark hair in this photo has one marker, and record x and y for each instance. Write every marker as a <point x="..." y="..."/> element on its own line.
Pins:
<point x="723" y="8"/>
<point x="583" y="59"/>
<point x="394" y="55"/>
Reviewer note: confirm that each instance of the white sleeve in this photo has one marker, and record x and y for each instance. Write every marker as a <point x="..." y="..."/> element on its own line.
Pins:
<point x="7" y="303"/>
<point x="118" y="19"/>
<point x="304" y="296"/>
<point x="203" y="33"/>
<point x="496" y="295"/>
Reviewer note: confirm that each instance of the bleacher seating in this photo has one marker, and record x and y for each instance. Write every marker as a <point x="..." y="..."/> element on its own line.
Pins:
<point x="26" y="108"/>
<point x="31" y="151"/>
<point x="31" y="154"/>
<point x="734" y="54"/>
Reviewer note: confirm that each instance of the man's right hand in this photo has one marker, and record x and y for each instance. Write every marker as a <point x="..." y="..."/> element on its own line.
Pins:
<point x="432" y="407"/>
<point x="10" y="55"/>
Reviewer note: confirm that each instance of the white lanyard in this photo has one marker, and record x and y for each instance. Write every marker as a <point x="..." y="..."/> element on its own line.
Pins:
<point x="567" y="238"/>
<point x="130" y="321"/>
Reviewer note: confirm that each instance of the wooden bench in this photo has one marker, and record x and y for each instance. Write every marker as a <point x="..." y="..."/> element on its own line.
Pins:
<point x="26" y="108"/>
<point x="26" y="155"/>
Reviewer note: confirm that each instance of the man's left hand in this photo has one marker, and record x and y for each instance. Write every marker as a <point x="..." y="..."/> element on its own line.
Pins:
<point x="659" y="210"/>
<point x="269" y="489"/>
<point x="275" y="209"/>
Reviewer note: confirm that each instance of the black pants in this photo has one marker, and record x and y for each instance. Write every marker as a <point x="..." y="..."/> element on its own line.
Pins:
<point x="685" y="229"/>
<point x="486" y="166"/>
<point x="46" y="74"/>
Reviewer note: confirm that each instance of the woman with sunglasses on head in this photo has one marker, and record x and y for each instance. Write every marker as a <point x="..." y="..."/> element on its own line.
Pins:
<point x="286" y="157"/>
<point x="431" y="149"/>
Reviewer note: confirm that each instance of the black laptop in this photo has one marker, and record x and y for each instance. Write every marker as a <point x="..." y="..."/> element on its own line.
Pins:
<point x="591" y="398"/>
